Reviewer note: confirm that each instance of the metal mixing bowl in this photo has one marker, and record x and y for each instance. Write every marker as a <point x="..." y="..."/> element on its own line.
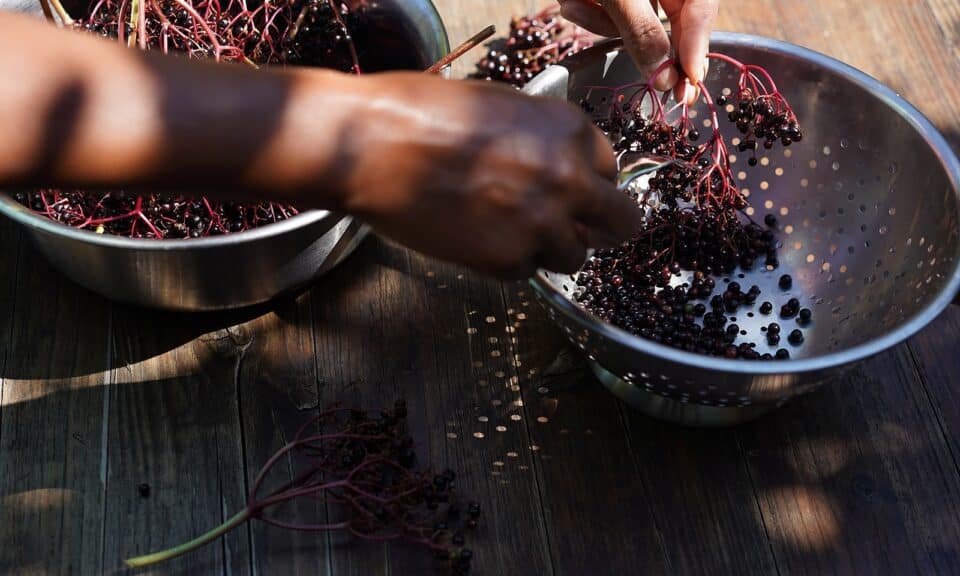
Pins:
<point x="869" y="219"/>
<point x="230" y="271"/>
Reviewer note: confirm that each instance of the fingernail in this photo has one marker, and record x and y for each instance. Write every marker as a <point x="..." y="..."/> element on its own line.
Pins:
<point x="692" y="94"/>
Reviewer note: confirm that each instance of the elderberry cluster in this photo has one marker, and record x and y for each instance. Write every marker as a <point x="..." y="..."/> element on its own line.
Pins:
<point x="639" y="288"/>
<point x="762" y="119"/>
<point x="321" y="40"/>
<point x="632" y="132"/>
<point x="661" y="284"/>
<point x="420" y="507"/>
<point x="534" y="42"/>
<point x="170" y="217"/>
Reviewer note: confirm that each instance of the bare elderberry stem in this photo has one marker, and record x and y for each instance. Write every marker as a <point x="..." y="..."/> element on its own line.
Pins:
<point x="47" y="11"/>
<point x="462" y="49"/>
<point x="202" y="540"/>
<point x="65" y="18"/>
<point x="203" y="24"/>
<point x="346" y="32"/>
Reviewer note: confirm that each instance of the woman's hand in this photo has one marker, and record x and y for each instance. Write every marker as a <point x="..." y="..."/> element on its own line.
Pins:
<point x="644" y="36"/>
<point x="484" y="176"/>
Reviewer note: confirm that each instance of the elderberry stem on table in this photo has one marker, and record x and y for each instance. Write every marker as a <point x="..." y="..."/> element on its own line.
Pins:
<point x="198" y="542"/>
<point x="363" y="465"/>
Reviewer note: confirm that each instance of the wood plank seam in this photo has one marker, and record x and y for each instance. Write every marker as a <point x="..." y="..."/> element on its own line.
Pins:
<point x="756" y="500"/>
<point x="661" y="543"/>
<point x="13" y="307"/>
<point x="941" y="425"/>
<point x="317" y="382"/>
<point x="237" y="369"/>
<point x="538" y="480"/>
<point x="105" y="434"/>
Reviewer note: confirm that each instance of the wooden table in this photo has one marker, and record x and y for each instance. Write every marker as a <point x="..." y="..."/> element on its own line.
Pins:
<point x="97" y="399"/>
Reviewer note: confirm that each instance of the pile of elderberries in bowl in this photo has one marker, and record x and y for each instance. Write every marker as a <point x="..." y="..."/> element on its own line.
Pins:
<point x="777" y="250"/>
<point x="192" y="253"/>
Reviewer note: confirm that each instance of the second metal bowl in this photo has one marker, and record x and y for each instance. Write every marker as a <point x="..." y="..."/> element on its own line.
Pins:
<point x="235" y="270"/>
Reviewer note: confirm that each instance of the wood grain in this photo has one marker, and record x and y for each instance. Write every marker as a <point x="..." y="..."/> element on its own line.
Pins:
<point x="855" y="476"/>
<point x="277" y="386"/>
<point x="713" y="524"/>
<point x="53" y="424"/>
<point x="595" y="498"/>
<point x="390" y="324"/>
<point x="860" y="477"/>
<point x="935" y="352"/>
<point x="175" y="432"/>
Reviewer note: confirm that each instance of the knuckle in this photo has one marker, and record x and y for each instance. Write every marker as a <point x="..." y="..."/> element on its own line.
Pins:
<point x="650" y="38"/>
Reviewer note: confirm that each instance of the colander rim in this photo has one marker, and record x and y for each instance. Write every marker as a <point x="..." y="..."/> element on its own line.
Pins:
<point x="925" y="129"/>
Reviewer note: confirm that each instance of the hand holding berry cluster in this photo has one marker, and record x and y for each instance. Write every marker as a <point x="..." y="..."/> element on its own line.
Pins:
<point x="639" y="119"/>
<point x="696" y="222"/>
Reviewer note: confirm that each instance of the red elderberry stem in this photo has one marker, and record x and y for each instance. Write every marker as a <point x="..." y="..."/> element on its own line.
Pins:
<point x="203" y="24"/>
<point x="350" y="44"/>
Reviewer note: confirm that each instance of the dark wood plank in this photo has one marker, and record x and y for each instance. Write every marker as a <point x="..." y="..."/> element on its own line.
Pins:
<point x="53" y="424"/>
<point x="910" y="46"/>
<point x="935" y="350"/>
<point x="856" y="477"/>
<point x="752" y="17"/>
<point x="9" y="264"/>
<point x="595" y="498"/>
<point x="391" y="323"/>
<point x="174" y="426"/>
<point x="277" y="383"/>
<point x="702" y="497"/>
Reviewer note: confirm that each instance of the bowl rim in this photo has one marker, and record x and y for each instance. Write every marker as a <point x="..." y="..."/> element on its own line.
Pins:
<point x="37" y="223"/>
<point x="924" y="128"/>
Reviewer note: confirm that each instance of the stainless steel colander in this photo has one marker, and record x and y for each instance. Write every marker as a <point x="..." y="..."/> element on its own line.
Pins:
<point x="869" y="218"/>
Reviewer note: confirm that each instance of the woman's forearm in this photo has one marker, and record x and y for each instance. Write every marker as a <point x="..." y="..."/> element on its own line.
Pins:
<point x="84" y="112"/>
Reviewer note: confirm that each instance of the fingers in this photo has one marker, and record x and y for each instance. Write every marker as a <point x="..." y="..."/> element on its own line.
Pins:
<point x="691" y="22"/>
<point x="600" y="153"/>
<point x="562" y="248"/>
<point x="609" y="216"/>
<point x="644" y="37"/>
<point x="588" y="15"/>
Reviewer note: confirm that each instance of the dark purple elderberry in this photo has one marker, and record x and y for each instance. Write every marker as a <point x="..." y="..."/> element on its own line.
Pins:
<point x="786" y="282"/>
<point x="805" y="316"/>
<point x="766" y="308"/>
<point x="796" y="337"/>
